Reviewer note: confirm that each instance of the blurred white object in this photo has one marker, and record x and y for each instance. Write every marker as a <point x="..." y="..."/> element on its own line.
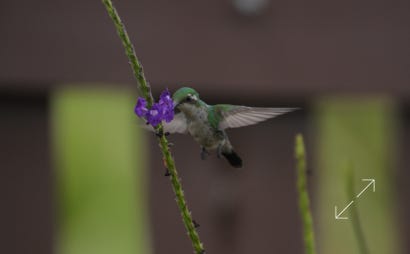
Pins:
<point x="250" y="7"/>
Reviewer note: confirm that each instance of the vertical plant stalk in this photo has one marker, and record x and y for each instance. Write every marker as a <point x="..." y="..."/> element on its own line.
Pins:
<point x="304" y="203"/>
<point x="145" y="89"/>
<point x="354" y="214"/>
<point x="136" y="66"/>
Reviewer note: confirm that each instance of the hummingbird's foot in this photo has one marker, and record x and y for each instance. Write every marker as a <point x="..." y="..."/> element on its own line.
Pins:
<point x="204" y="153"/>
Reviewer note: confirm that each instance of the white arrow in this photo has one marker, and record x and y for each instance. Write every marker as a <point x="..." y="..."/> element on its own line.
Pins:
<point x="337" y="216"/>
<point x="371" y="182"/>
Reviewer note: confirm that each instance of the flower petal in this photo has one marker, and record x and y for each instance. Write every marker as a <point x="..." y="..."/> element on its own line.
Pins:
<point x="141" y="107"/>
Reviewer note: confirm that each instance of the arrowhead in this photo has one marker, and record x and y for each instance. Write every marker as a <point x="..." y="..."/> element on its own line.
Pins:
<point x="337" y="216"/>
<point x="372" y="182"/>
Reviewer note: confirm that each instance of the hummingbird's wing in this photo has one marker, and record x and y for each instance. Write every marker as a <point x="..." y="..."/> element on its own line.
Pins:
<point x="231" y="116"/>
<point x="177" y="125"/>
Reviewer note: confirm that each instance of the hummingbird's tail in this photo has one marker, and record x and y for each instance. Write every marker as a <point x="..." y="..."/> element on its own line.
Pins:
<point x="233" y="158"/>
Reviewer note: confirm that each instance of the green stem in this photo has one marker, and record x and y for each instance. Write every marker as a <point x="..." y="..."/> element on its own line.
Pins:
<point x="354" y="214"/>
<point x="176" y="183"/>
<point x="163" y="142"/>
<point x="304" y="207"/>
<point x="136" y="66"/>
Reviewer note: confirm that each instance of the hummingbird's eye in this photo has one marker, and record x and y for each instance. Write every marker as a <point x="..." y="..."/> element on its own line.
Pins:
<point x="189" y="98"/>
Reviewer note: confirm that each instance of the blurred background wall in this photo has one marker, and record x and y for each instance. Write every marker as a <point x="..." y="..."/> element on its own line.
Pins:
<point x="250" y="52"/>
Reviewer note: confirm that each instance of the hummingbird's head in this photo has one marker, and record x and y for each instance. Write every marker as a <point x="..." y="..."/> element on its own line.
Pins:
<point x="185" y="95"/>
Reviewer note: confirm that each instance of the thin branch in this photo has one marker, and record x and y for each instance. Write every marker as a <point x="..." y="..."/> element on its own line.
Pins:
<point x="136" y="66"/>
<point x="145" y="89"/>
<point x="304" y="203"/>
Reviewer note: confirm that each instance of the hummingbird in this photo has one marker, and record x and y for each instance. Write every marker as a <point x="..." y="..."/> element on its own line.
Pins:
<point x="207" y="124"/>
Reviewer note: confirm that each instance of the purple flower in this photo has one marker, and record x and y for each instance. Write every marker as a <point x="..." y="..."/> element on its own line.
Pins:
<point x="154" y="116"/>
<point x="167" y="106"/>
<point x="169" y="115"/>
<point x="141" y="107"/>
<point x="161" y="111"/>
<point x="165" y="98"/>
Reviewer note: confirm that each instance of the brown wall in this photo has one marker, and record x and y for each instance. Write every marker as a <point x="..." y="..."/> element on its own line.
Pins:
<point x="293" y="48"/>
<point x="286" y="56"/>
<point x="26" y="207"/>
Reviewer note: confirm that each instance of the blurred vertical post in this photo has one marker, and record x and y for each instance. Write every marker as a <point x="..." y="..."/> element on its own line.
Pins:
<point x="359" y="132"/>
<point x="100" y="166"/>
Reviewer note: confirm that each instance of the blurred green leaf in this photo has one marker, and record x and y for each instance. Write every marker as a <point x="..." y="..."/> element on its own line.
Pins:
<point x="101" y="173"/>
<point x="358" y="131"/>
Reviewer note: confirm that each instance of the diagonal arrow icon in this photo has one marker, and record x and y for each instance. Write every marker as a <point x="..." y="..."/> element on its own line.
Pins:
<point x="371" y="182"/>
<point x="337" y="215"/>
